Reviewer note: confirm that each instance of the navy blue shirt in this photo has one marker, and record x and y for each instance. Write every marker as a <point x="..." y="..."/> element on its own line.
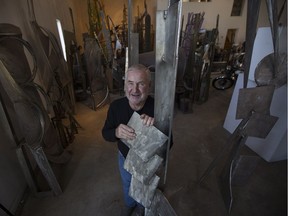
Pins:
<point x="120" y="112"/>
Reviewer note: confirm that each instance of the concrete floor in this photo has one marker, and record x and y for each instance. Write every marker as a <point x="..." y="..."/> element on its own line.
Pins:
<point x="91" y="182"/>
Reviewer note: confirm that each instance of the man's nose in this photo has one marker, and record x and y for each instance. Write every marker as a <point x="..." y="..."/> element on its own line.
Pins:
<point x="135" y="88"/>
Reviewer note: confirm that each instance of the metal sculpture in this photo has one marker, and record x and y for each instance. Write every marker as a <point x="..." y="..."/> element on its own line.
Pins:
<point x="272" y="69"/>
<point x="144" y="29"/>
<point x="100" y="38"/>
<point x="147" y="154"/>
<point x="247" y="127"/>
<point x="168" y="30"/>
<point x="97" y="83"/>
<point x="198" y="46"/>
<point x="40" y="136"/>
<point x="254" y="104"/>
<point x="57" y="82"/>
<point x="31" y="122"/>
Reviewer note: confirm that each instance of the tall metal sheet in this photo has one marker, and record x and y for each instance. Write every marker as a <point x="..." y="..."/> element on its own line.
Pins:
<point x="133" y="49"/>
<point x="167" y="42"/>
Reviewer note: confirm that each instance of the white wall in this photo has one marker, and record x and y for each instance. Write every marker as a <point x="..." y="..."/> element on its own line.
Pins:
<point x="223" y="8"/>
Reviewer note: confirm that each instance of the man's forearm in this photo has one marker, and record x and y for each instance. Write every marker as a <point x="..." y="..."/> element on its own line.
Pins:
<point x="109" y="135"/>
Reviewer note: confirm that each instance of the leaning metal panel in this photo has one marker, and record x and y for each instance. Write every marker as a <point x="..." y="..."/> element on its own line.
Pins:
<point x="253" y="9"/>
<point x="258" y="99"/>
<point x="30" y="118"/>
<point x="260" y="125"/>
<point x="168" y="24"/>
<point x="134" y="49"/>
<point x="167" y="31"/>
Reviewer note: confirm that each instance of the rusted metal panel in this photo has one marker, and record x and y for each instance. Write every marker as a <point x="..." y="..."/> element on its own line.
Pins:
<point x="260" y="125"/>
<point x="258" y="99"/>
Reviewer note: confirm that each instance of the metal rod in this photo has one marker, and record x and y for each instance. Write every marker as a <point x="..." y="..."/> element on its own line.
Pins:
<point x="236" y="132"/>
<point x="130" y="29"/>
<point x="6" y="210"/>
<point x="253" y="9"/>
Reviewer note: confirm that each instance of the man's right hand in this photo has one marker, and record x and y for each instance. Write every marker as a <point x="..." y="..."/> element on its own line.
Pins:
<point x="125" y="132"/>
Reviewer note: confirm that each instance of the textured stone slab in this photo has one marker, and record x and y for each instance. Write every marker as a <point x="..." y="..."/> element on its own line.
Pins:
<point x="141" y="170"/>
<point x="148" y="138"/>
<point x="143" y="193"/>
<point x="160" y="206"/>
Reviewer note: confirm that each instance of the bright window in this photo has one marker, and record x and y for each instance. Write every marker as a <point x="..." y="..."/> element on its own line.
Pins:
<point x="62" y="41"/>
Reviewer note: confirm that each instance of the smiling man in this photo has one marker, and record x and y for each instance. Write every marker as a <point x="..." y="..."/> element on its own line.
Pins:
<point x="137" y="88"/>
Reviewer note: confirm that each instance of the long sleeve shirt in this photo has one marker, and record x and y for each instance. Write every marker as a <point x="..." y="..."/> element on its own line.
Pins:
<point x="120" y="112"/>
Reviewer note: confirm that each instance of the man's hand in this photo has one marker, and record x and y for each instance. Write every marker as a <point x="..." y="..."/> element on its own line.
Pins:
<point x="147" y="120"/>
<point x="125" y="132"/>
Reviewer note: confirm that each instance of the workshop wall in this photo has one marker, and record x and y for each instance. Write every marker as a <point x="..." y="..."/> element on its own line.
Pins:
<point x="226" y="21"/>
<point x="223" y="8"/>
<point x="114" y="9"/>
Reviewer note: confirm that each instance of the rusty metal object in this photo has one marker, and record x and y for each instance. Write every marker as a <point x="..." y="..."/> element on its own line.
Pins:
<point x="265" y="73"/>
<point x="11" y="40"/>
<point x="272" y="69"/>
<point x="260" y="125"/>
<point x="258" y="99"/>
<point x="249" y="126"/>
<point x="30" y="119"/>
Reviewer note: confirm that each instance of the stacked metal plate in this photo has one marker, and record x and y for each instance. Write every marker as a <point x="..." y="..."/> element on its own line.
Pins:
<point x="142" y="161"/>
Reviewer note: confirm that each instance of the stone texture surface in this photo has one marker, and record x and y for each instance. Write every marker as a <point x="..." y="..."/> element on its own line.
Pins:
<point x="148" y="139"/>
<point x="142" y="171"/>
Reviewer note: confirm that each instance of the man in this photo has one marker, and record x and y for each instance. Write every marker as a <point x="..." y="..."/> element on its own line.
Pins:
<point x="137" y="86"/>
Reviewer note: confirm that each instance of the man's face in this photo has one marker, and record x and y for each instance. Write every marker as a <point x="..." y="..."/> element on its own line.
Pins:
<point x="137" y="88"/>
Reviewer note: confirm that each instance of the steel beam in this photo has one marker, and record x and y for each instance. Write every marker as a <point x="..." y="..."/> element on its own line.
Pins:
<point x="168" y="24"/>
